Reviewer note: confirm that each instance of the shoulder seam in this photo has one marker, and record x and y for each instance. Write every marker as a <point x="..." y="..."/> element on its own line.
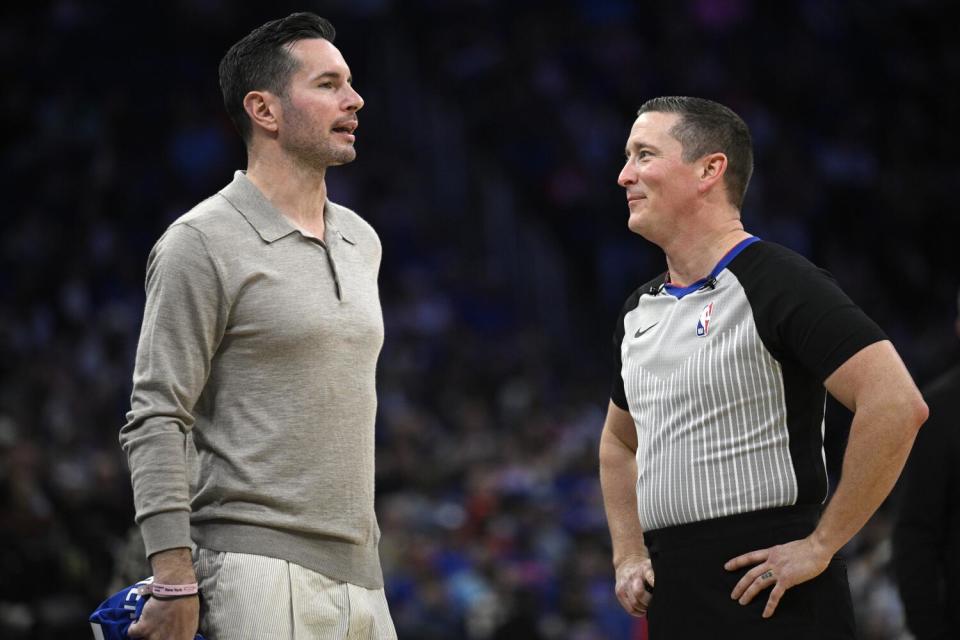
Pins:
<point x="217" y="268"/>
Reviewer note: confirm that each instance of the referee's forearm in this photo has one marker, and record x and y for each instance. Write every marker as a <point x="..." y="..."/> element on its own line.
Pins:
<point x="618" y="476"/>
<point x="880" y="439"/>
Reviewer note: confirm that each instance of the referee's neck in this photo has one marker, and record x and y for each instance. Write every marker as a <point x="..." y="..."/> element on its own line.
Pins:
<point x="692" y="259"/>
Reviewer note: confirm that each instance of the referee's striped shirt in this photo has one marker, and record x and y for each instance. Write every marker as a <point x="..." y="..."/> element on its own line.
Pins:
<point x="724" y="381"/>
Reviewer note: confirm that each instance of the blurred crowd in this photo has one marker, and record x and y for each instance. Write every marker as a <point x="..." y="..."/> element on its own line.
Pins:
<point x="488" y="152"/>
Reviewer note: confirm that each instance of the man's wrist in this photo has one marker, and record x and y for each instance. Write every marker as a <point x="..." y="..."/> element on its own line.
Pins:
<point x="173" y="566"/>
<point x="640" y="556"/>
<point x="822" y="544"/>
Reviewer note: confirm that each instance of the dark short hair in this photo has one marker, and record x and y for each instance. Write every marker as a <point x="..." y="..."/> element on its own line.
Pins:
<point x="708" y="127"/>
<point x="261" y="62"/>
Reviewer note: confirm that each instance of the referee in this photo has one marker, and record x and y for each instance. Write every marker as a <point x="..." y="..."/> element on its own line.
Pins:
<point x="711" y="458"/>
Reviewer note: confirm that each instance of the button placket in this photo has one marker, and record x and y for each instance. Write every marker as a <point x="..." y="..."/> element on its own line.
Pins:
<point x="326" y="248"/>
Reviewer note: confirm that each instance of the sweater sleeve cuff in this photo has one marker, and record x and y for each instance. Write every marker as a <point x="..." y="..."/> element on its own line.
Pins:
<point x="166" y="530"/>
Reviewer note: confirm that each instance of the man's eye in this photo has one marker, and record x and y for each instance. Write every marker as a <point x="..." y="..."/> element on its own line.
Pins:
<point x="326" y="85"/>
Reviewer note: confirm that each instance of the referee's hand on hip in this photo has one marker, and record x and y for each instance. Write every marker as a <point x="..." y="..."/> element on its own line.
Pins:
<point x="780" y="567"/>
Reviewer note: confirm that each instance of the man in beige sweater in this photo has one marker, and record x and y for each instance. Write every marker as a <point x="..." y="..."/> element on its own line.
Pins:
<point x="260" y="337"/>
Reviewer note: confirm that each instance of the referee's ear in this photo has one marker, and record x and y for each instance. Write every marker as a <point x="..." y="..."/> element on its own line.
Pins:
<point x="712" y="167"/>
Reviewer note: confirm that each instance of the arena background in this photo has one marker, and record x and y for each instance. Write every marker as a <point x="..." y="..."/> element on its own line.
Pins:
<point x="488" y="152"/>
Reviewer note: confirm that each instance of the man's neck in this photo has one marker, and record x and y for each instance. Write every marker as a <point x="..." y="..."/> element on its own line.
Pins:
<point x="298" y="192"/>
<point x="693" y="258"/>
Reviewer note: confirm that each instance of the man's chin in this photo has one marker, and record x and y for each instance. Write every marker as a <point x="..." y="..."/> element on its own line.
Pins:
<point x="636" y="223"/>
<point x="344" y="156"/>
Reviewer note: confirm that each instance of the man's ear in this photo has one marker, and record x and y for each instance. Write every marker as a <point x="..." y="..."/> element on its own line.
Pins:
<point x="263" y="109"/>
<point x="713" y="166"/>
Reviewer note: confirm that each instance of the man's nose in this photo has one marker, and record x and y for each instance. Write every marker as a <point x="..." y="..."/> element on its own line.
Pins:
<point x="354" y="101"/>
<point x="626" y="177"/>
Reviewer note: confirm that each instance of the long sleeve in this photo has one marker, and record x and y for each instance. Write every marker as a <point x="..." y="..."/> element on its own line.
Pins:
<point x="184" y="319"/>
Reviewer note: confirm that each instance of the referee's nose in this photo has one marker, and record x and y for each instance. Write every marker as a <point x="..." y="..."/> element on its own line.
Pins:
<point x="627" y="175"/>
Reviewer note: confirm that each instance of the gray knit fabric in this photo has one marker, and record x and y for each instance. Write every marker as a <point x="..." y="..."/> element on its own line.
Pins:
<point x="264" y="343"/>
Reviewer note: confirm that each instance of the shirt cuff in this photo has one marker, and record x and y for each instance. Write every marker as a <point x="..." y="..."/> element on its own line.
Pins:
<point x="166" y="530"/>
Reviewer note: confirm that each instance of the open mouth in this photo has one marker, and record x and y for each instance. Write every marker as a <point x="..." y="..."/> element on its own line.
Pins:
<point x="346" y="127"/>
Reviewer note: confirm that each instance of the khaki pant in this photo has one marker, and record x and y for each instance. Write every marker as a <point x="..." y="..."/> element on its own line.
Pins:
<point x="251" y="597"/>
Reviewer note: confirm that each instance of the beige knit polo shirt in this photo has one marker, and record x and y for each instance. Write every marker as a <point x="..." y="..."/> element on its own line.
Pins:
<point x="264" y="342"/>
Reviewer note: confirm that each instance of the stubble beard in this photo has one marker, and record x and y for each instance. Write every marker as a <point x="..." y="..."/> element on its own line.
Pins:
<point x="311" y="147"/>
<point x="315" y="151"/>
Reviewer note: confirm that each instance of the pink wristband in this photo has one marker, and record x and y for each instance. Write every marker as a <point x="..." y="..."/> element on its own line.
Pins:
<point x="158" y="590"/>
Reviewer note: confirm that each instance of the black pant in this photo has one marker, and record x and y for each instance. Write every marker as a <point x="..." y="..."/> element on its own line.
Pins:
<point x="692" y="594"/>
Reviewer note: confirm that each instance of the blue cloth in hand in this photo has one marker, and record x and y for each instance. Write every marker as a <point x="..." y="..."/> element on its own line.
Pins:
<point x="114" y="616"/>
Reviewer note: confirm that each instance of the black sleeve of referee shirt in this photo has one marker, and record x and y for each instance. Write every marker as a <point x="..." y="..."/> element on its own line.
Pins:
<point x="617" y="393"/>
<point x="800" y="311"/>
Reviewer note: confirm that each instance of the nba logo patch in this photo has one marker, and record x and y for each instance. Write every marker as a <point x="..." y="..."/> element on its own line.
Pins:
<point x="703" y="324"/>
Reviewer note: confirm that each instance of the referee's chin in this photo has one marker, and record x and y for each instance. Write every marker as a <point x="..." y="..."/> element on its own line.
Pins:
<point x="639" y="225"/>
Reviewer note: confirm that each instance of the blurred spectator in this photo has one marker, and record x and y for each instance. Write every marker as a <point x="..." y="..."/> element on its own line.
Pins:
<point x="927" y="534"/>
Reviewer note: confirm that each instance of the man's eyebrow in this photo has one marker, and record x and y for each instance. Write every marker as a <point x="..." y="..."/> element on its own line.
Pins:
<point x="332" y="75"/>
<point x="638" y="144"/>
